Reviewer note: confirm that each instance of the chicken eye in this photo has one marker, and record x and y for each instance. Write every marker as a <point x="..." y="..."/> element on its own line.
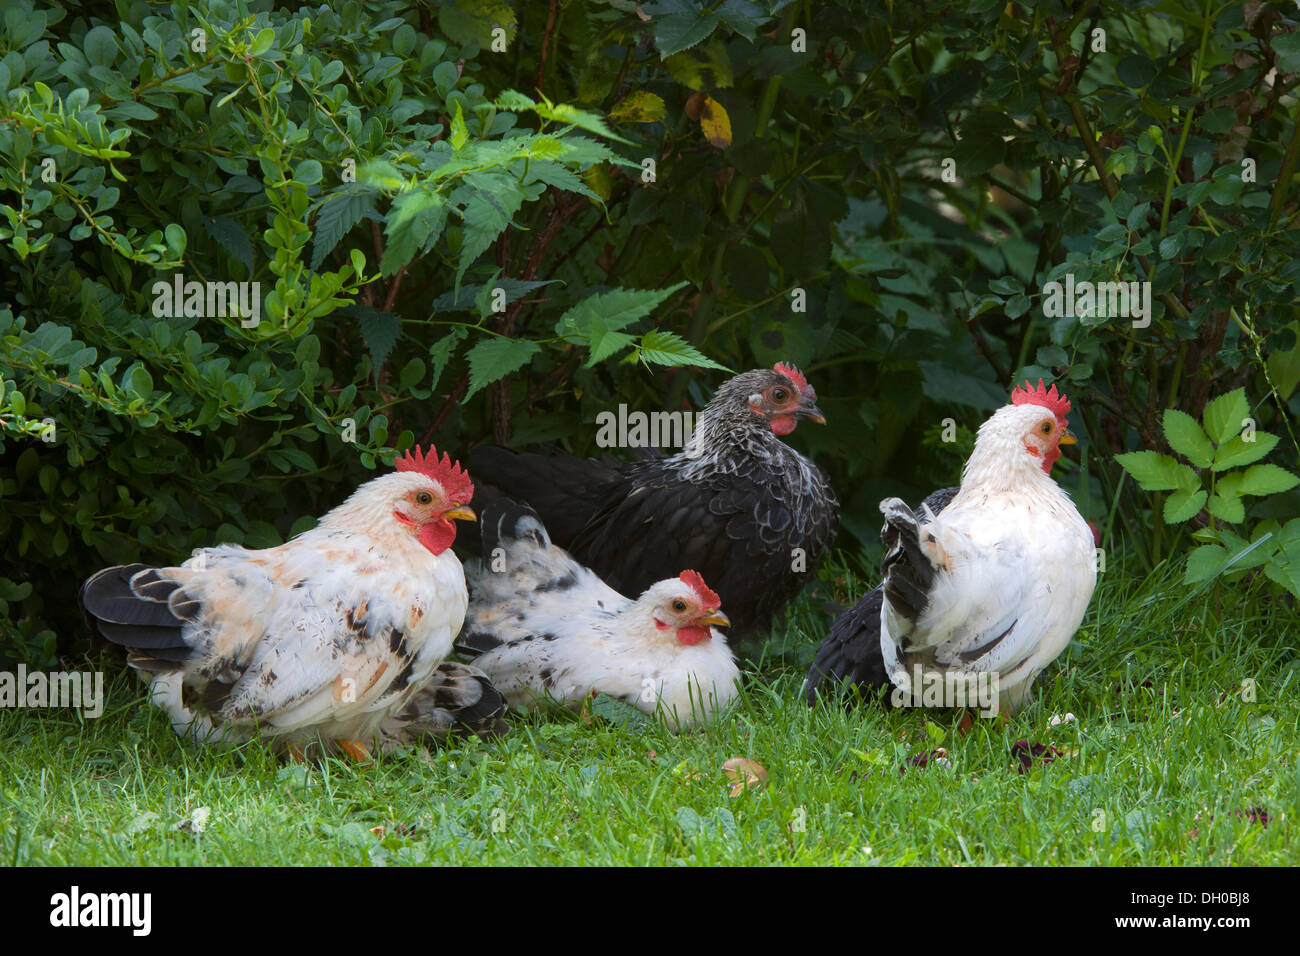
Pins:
<point x="1047" y="428"/>
<point x="779" y="394"/>
<point x="424" y="498"/>
<point x="679" y="606"/>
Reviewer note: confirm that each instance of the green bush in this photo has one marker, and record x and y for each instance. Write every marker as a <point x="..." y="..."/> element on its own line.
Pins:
<point x="482" y="220"/>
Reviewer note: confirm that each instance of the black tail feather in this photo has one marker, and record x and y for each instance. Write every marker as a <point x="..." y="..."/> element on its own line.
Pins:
<point x="137" y="616"/>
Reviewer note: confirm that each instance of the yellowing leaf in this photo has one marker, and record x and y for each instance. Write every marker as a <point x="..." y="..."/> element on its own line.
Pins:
<point x="640" y="107"/>
<point x="598" y="181"/>
<point x="716" y="123"/>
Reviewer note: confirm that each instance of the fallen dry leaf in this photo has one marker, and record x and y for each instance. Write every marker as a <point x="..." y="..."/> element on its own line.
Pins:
<point x="744" y="774"/>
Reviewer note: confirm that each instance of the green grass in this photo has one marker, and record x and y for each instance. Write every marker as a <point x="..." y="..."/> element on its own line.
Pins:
<point x="1145" y="761"/>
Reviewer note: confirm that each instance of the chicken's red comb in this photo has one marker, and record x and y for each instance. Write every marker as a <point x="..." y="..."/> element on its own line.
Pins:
<point x="455" y="482"/>
<point x="792" y="373"/>
<point x="1048" y="398"/>
<point x="695" y="581"/>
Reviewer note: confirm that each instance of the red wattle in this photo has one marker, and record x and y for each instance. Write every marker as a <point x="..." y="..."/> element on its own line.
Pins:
<point x="437" y="536"/>
<point x="783" y="424"/>
<point x="693" y="635"/>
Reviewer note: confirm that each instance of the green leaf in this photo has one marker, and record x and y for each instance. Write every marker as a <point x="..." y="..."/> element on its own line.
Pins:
<point x="1285" y="573"/>
<point x="1186" y="437"/>
<point x="100" y="45"/>
<point x="1183" y="504"/>
<point x="1226" y="508"/>
<point x="335" y="217"/>
<point x="379" y="330"/>
<point x="617" y="309"/>
<point x="1287" y="47"/>
<point x="472" y="21"/>
<point x="1225" y="416"/>
<point x="1156" y="472"/>
<point x="572" y="116"/>
<point x="619" y="713"/>
<point x="459" y="131"/>
<point x="486" y="216"/>
<point x="308" y="172"/>
<point x="441" y="351"/>
<point x="1237" y="451"/>
<point x="681" y="31"/>
<point x="231" y="236"/>
<point x="415" y="221"/>
<point x="1267" y="480"/>
<point x="668" y="348"/>
<point x="605" y="343"/>
<point x="262" y="42"/>
<point x="1205" y="562"/>
<point x="494" y="358"/>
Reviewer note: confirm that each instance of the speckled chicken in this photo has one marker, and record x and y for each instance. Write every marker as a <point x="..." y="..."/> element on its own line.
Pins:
<point x="336" y="638"/>
<point x="542" y="626"/>
<point x="737" y="504"/>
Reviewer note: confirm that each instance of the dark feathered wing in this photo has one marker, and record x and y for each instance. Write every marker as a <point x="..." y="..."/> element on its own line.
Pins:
<point x="850" y="657"/>
<point x="564" y="490"/>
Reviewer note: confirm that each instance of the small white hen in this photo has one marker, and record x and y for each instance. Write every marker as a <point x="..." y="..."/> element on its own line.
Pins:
<point x="542" y="626"/>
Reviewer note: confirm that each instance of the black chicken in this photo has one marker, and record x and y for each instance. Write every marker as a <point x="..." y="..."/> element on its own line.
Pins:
<point x="738" y="505"/>
<point x="850" y="657"/>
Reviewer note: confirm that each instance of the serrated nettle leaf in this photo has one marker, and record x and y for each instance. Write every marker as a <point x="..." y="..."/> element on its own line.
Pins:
<point x="1186" y="437"/>
<point x="1156" y="472"/>
<point x="379" y="330"/>
<point x="232" y="237"/>
<point x="494" y="358"/>
<point x="486" y="215"/>
<point x="616" y="309"/>
<point x="441" y="351"/>
<point x="415" y="222"/>
<point x="661" y="347"/>
<point x="336" y="215"/>
<point x="1225" y="415"/>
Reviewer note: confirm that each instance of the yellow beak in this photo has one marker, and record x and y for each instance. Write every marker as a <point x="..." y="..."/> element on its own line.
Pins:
<point x="1067" y="438"/>
<point x="716" y="619"/>
<point x="812" y="413"/>
<point x="461" y="513"/>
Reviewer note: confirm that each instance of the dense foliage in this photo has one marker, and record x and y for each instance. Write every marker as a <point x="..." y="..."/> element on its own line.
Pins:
<point x="482" y="220"/>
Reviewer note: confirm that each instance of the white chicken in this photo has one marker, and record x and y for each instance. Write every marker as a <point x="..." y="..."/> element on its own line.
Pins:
<point x="335" y="638"/>
<point x="998" y="582"/>
<point x="544" y="627"/>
